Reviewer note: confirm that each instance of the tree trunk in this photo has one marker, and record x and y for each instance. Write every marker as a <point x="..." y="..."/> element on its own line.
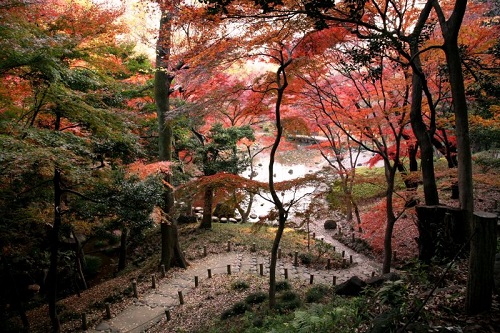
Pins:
<point x="450" y="29"/>
<point x="79" y="260"/>
<point x="54" y="253"/>
<point x="170" y="248"/>
<point x="481" y="263"/>
<point x="391" y="220"/>
<point x="122" y="260"/>
<point x="163" y="81"/>
<point x="206" y="221"/>
<point x="422" y="133"/>
<point x="16" y="297"/>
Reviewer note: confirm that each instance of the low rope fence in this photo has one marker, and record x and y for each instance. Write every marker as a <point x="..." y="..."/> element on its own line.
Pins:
<point x="294" y="270"/>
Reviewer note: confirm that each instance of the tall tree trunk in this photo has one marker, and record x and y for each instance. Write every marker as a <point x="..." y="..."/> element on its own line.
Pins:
<point x="163" y="81"/>
<point x="16" y="297"/>
<point x="54" y="253"/>
<point x="122" y="260"/>
<point x="391" y="219"/>
<point x="79" y="260"/>
<point x="422" y="133"/>
<point x="206" y="221"/>
<point x="282" y="82"/>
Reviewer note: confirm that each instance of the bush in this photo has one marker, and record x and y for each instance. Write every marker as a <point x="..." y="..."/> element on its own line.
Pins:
<point x="306" y="258"/>
<point x="239" y="285"/>
<point x="316" y="293"/>
<point x="282" y="285"/>
<point x="237" y="309"/>
<point x="256" y="298"/>
<point x="288" y="301"/>
<point x="93" y="265"/>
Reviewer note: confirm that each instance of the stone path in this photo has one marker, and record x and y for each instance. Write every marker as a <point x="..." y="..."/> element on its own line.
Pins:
<point x="150" y="308"/>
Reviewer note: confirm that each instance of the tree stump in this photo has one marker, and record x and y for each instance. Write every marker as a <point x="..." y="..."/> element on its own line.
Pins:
<point x="481" y="263"/>
<point x="442" y="231"/>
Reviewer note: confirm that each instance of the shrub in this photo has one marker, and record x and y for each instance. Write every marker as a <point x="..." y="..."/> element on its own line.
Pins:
<point x="237" y="309"/>
<point x="288" y="301"/>
<point x="239" y="285"/>
<point x="256" y="298"/>
<point x="306" y="258"/>
<point x="93" y="264"/>
<point x="316" y="293"/>
<point x="282" y="285"/>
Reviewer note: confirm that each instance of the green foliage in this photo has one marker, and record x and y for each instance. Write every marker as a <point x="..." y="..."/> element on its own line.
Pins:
<point x="92" y="265"/>
<point x="256" y="297"/>
<point x="392" y="293"/>
<point x="217" y="151"/>
<point x="488" y="160"/>
<point x="316" y="293"/>
<point x="306" y="258"/>
<point x="238" y="308"/>
<point x="282" y="285"/>
<point x="288" y="301"/>
<point x="240" y="285"/>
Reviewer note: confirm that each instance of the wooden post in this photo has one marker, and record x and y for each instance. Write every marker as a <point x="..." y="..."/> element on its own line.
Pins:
<point x="196" y="281"/>
<point x="353" y="237"/>
<point x="311" y="279"/>
<point x="253" y="247"/>
<point x="286" y="273"/>
<point x="181" y="298"/>
<point x="229" y="246"/>
<point x="343" y="254"/>
<point x="314" y="235"/>
<point x="373" y="274"/>
<point x="228" y="269"/>
<point x="84" y="322"/>
<point x="334" y="249"/>
<point x="481" y="263"/>
<point x="134" y="288"/>
<point x="204" y="250"/>
<point x="279" y="252"/>
<point x="209" y="273"/>
<point x="163" y="271"/>
<point x="261" y="269"/>
<point x="344" y="262"/>
<point x="334" y="280"/>
<point x="153" y="281"/>
<point x="350" y="259"/>
<point x="167" y="314"/>
<point x="296" y="259"/>
<point x="108" y="310"/>
<point x="328" y="263"/>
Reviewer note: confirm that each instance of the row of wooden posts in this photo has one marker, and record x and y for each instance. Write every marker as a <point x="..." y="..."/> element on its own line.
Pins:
<point x="209" y="274"/>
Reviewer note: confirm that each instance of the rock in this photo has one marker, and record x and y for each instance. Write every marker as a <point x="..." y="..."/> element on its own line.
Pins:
<point x="223" y="220"/>
<point x="352" y="287"/>
<point x="379" y="280"/>
<point x="215" y="219"/>
<point x="232" y="220"/>
<point x="238" y="218"/>
<point x="253" y="216"/>
<point x="330" y="225"/>
<point x="290" y="171"/>
<point x="199" y="216"/>
<point x="198" y="209"/>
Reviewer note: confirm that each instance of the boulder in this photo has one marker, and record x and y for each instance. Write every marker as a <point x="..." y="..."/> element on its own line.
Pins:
<point x="232" y="220"/>
<point x="352" y="287"/>
<point x="290" y="171"/>
<point x="215" y="219"/>
<point x="330" y="225"/>
<point x="223" y="220"/>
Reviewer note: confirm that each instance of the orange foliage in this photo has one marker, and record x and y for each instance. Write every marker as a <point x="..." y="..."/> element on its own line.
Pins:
<point x="142" y="170"/>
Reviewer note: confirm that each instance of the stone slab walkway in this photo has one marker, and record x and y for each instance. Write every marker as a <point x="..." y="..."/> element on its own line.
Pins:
<point x="149" y="309"/>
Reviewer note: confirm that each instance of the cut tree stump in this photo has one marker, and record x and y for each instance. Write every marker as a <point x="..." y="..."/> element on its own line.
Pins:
<point x="481" y="263"/>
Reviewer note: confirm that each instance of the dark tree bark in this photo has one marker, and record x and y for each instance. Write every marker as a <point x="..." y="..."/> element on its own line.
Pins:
<point x="79" y="260"/>
<point x="122" y="259"/>
<point x="422" y="133"/>
<point x="450" y="29"/>
<point x="282" y="82"/>
<point x="206" y="221"/>
<point x="481" y="263"/>
<point x="54" y="253"/>
<point x="163" y="81"/>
